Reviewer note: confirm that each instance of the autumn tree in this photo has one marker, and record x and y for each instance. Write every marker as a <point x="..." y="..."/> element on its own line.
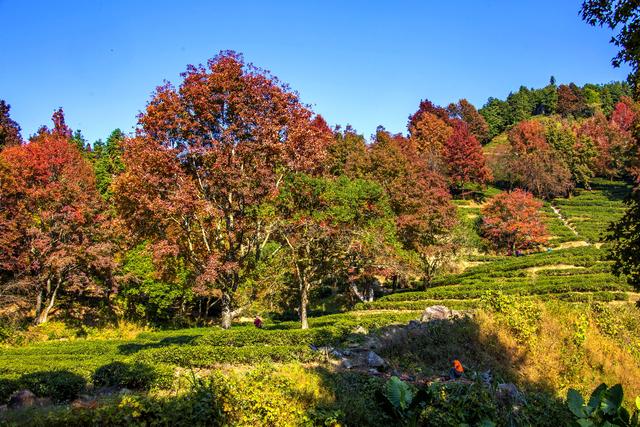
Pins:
<point x="347" y="154"/>
<point x="533" y="164"/>
<point x="578" y="154"/>
<point x="62" y="239"/>
<point x="464" y="158"/>
<point x="429" y="128"/>
<point x="571" y="101"/>
<point x="207" y="156"/>
<point x="513" y="221"/>
<point x="610" y="145"/>
<point x="9" y="129"/>
<point x="418" y="197"/>
<point x="466" y="112"/>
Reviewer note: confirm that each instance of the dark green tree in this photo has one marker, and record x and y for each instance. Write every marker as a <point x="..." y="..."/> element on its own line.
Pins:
<point x="625" y="238"/>
<point x="496" y="114"/>
<point x="622" y="17"/>
<point x="108" y="162"/>
<point x="9" y="129"/>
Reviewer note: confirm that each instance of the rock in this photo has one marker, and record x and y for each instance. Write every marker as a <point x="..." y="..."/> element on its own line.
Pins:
<point x="346" y="363"/>
<point x="336" y="353"/>
<point x="413" y="324"/>
<point x="508" y="392"/>
<point x="375" y="361"/>
<point x="439" y="312"/>
<point x="22" y="399"/>
<point x="487" y="377"/>
<point x="372" y="342"/>
<point x="85" y="402"/>
<point x="360" y="330"/>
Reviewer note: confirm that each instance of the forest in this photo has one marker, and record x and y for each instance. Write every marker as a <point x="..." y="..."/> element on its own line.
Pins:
<point x="237" y="260"/>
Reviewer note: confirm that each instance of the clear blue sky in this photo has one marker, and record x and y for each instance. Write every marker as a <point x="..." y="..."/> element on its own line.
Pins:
<point x="366" y="63"/>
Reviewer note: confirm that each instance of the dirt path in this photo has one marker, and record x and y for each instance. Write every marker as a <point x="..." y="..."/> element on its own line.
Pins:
<point x="562" y="218"/>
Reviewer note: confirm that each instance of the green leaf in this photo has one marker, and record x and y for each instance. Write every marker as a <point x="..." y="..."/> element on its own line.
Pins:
<point x="575" y="402"/>
<point x="612" y="400"/>
<point x="398" y="393"/>
<point x="596" y="397"/>
<point x="638" y="402"/>
<point x="585" y="422"/>
<point x="486" y="423"/>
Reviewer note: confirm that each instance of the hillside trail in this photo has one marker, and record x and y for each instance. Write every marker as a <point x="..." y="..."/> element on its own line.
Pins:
<point x="562" y="218"/>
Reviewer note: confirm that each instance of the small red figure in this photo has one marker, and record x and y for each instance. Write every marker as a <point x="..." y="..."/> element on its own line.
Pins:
<point x="258" y="322"/>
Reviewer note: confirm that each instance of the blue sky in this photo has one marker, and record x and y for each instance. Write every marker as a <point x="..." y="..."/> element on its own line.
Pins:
<point x="366" y="63"/>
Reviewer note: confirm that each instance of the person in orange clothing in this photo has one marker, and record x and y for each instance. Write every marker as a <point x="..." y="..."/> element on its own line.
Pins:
<point x="457" y="370"/>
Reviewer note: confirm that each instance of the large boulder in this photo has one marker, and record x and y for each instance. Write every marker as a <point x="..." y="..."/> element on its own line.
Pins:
<point x="22" y="399"/>
<point x="375" y="361"/>
<point x="439" y="312"/>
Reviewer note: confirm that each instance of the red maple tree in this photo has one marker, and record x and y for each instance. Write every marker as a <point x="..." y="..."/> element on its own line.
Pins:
<point x="208" y="155"/>
<point x="464" y="158"/>
<point x="58" y="234"/>
<point x="512" y="221"/>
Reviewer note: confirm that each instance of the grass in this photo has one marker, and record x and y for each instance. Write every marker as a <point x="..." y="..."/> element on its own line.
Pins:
<point x="590" y="212"/>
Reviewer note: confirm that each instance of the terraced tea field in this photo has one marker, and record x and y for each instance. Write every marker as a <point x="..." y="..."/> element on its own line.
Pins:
<point x="575" y="274"/>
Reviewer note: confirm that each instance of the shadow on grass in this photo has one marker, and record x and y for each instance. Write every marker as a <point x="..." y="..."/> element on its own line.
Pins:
<point x="58" y="385"/>
<point x="136" y="347"/>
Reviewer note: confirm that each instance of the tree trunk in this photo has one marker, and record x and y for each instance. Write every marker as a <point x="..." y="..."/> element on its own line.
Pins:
<point x="304" y="301"/>
<point x="227" y="316"/>
<point x="44" y="314"/>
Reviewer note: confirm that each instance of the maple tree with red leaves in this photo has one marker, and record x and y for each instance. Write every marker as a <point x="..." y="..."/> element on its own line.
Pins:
<point x="418" y="196"/>
<point x="207" y="156"/>
<point x="512" y="221"/>
<point x="58" y="234"/>
<point x="464" y="157"/>
<point x="465" y="111"/>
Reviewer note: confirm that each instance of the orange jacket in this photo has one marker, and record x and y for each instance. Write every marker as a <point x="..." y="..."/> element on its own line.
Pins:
<point x="458" y="366"/>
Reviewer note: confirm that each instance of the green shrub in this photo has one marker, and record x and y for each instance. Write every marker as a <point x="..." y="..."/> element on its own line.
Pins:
<point x="61" y="386"/>
<point x="136" y="376"/>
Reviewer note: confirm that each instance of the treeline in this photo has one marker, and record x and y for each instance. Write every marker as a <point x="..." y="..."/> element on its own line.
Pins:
<point x="566" y="100"/>
<point x="234" y="197"/>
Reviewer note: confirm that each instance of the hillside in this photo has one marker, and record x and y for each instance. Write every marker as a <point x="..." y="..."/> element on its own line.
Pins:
<point x="544" y="321"/>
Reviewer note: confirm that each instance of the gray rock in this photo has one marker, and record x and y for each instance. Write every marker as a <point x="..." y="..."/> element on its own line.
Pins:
<point x="346" y="363"/>
<point x="360" y="330"/>
<point x="336" y="353"/>
<point x="375" y="361"/>
<point x="439" y="312"/>
<point x="508" y="392"/>
<point x="22" y="399"/>
<point x="413" y="324"/>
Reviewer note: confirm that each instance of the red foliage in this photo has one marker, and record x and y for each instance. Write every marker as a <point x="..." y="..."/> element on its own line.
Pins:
<point x="466" y="112"/>
<point x="418" y="195"/>
<point x="57" y="231"/>
<point x="206" y="156"/>
<point x="513" y="221"/>
<point x="624" y="114"/>
<point x="528" y="136"/>
<point x="464" y="157"/>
